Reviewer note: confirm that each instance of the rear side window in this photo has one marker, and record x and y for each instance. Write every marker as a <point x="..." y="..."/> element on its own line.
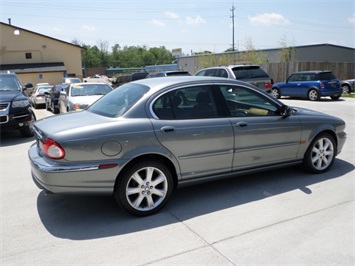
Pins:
<point x="196" y="102"/>
<point x="249" y="72"/>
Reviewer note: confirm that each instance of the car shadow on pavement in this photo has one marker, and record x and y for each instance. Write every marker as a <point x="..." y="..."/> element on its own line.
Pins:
<point x="8" y="138"/>
<point x="92" y="217"/>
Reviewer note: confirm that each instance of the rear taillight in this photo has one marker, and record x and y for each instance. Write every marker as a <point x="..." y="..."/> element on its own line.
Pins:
<point x="268" y="85"/>
<point x="52" y="149"/>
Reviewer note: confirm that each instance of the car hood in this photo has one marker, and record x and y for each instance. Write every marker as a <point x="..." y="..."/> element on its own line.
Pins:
<point x="8" y="96"/>
<point x="279" y="84"/>
<point x="299" y="111"/>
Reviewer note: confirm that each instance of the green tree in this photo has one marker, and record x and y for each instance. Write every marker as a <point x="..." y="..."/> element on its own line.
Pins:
<point x="288" y="51"/>
<point x="251" y="55"/>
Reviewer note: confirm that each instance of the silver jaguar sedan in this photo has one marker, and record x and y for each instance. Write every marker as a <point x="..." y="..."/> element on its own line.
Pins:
<point x="148" y="137"/>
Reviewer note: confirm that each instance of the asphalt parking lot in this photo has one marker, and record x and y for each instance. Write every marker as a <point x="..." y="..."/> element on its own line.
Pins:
<point x="278" y="217"/>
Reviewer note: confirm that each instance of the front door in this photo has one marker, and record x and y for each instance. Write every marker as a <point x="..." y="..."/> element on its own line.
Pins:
<point x="262" y="135"/>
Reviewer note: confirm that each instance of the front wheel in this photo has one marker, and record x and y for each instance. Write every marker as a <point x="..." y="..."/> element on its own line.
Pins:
<point x="320" y="154"/>
<point x="144" y="188"/>
<point x="313" y="95"/>
<point x="276" y="93"/>
<point x="26" y="131"/>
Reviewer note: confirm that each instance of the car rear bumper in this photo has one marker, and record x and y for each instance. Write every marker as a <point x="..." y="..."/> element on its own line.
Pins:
<point x="331" y="92"/>
<point x="70" y="178"/>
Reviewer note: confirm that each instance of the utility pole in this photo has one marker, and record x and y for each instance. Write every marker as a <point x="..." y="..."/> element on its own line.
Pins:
<point x="233" y="45"/>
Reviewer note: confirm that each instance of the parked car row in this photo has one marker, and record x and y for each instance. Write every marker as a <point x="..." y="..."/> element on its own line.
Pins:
<point x="63" y="98"/>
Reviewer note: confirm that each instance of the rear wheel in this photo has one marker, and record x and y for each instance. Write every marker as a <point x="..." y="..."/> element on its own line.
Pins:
<point x="313" y="95"/>
<point x="320" y="154"/>
<point x="276" y="93"/>
<point x="144" y="188"/>
<point x="346" y="88"/>
<point x="335" y="98"/>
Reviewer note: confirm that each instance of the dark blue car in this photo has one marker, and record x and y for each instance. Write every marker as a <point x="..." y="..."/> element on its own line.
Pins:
<point x="311" y="85"/>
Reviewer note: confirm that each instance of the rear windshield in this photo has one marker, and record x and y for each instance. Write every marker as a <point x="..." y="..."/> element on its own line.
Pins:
<point x="327" y="76"/>
<point x="249" y="72"/>
<point x="179" y="73"/>
<point x="119" y="101"/>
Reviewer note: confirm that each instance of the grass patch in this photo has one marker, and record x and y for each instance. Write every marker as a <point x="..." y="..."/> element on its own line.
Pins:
<point x="348" y="95"/>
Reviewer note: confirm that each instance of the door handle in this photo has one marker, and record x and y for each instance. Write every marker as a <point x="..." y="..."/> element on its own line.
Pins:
<point x="242" y="124"/>
<point x="167" y="129"/>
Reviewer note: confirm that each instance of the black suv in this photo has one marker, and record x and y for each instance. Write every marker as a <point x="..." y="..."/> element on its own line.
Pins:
<point x="52" y="97"/>
<point x="15" y="109"/>
<point x="252" y="74"/>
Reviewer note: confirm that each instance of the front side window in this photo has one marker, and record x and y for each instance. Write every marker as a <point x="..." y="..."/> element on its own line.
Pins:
<point x="195" y="102"/>
<point x="244" y="102"/>
<point x="119" y="101"/>
<point x="294" y="77"/>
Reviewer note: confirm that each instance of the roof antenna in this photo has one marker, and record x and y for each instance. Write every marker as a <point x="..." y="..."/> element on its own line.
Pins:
<point x="9" y="21"/>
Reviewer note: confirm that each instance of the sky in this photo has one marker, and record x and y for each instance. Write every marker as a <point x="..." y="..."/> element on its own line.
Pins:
<point x="192" y="25"/>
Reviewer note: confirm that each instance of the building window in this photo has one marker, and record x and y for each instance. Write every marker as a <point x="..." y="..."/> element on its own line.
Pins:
<point x="28" y="55"/>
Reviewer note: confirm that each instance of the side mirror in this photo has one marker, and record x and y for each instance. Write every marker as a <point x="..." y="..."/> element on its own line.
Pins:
<point x="28" y="86"/>
<point x="285" y="111"/>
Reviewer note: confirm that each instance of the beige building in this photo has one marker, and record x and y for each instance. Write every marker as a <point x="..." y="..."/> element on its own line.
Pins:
<point x="37" y="58"/>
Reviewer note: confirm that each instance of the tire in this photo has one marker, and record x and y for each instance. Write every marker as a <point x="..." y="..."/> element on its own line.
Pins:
<point x="25" y="131"/>
<point x="313" y="95"/>
<point x="346" y="89"/>
<point x="54" y="110"/>
<point x="144" y="188"/>
<point x="320" y="154"/>
<point x="335" y="98"/>
<point x="276" y="93"/>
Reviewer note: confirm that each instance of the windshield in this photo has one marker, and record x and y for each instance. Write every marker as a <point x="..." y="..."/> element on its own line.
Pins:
<point x="9" y="83"/>
<point x="119" y="101"/>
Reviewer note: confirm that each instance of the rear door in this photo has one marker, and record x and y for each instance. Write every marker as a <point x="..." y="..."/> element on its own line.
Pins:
<point x="202" y="144"/>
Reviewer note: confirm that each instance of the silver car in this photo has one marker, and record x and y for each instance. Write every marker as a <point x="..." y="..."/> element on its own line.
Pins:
<point x="146" y="138"/>
<point x="38" y="96"/>
<point x="78" y="96"/>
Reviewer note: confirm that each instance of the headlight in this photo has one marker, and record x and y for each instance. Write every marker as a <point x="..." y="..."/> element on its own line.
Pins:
<point x="79" y="106"/>
<point x="21" y="103"/>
